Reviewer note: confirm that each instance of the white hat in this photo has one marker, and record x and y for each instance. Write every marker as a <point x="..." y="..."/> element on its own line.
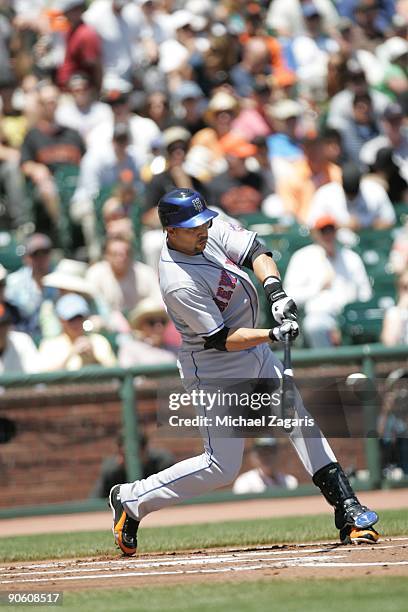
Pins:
<point x="394" y="48"/>
<point x="112" y="82"/>
<point x="173" y="56"/>
<point x="175" y="134"/>
<point x="284" y="109"/>
<point x="69" y="275"/>
<point x="221" y="101"/>
<point x="147" y="307"/>
<point x="179" y="19"/>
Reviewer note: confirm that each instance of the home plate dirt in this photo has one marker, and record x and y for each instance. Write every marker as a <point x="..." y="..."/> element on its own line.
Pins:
<point x="389" y="557"/>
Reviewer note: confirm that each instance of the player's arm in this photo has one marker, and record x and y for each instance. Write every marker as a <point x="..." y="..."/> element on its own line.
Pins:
<point x="260" y="260"/>
<point x="242" y="338"/>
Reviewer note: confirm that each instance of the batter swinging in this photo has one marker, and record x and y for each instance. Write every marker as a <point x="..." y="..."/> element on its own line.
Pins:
<point x="214" y="305"/>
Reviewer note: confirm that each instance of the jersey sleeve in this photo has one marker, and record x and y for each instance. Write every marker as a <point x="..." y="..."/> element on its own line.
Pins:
<point x="194" y="308"/>
<point x="235" y="240"/>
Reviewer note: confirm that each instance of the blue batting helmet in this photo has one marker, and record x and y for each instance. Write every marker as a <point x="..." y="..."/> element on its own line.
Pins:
<point x="184" y="208"/>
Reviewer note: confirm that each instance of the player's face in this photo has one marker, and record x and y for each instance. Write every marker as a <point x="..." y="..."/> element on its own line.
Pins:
<point x="189" y="240"/>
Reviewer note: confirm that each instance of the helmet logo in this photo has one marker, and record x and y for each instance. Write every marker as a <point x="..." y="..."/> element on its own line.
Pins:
<point x="198" y="205"/>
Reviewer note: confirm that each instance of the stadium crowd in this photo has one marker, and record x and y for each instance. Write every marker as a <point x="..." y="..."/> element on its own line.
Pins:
<point x="285" y="114"/>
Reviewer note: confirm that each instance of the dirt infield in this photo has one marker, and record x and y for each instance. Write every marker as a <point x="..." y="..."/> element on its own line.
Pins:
<point x="327" y="559"/>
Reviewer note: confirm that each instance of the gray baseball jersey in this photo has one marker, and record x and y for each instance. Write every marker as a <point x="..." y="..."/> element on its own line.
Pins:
<point x="206" y="291"/>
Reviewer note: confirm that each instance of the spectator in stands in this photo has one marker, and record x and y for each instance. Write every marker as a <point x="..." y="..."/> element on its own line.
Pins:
<point x="113" y="469"/>
<point x="256" y="61"/>
<point x="341" y="105"/>
<point x="120" y="281"/>
<point x="394" y="53"/>
<point x="158" y="109"/>
<point x="359" y="128"/>
<point x="323" y="277"/>
<point x="116" y="220"/>
<point x="398" y="260"/>
<point x="100" y="171"/>
<point x="395" y="326"/>
<point x="11" y="180"/>
<point x="18" y="352"/>
<point x="222" y="109"/>
<point x="284" y="143"/>
<point x="367" y="30"/>
<point x="254" y="121"/>
<point x="394" y="135"/>
<point x="48" y="146"/>
<point x="237" y="191"/>
<point x="286" y="18"/>
<point x="143" y="131"/>
<point x="83" y="47"/>
<point x="298" y="187"/>
<point x="392" y="425"/>
<point x="189" y="113"/>
<point x="74" y="348"/>
<point x="147" y="345"/>
<point x="358" y="202"/>
<point x="115" y="21"/>
<point x="80" y="111"/>
<point x="386" y="172"/>
<point x="68" y="276"/>
<point x="264" y="475"/>
<point x="176" y="141"/>
<point x="311" y="51"/>
<point x="25" y="289"/>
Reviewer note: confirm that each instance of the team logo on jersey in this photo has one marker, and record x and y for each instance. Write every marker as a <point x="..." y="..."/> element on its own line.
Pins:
<point x="226" y="286"/>
<point x="198" y="205"/>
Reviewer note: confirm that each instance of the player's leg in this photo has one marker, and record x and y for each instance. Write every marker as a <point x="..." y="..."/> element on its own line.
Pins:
<point x="217" y="466"/>
<point x="353" y="520"/>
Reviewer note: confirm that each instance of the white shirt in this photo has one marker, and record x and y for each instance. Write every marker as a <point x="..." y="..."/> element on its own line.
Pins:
<point x="310" y="269"/>
<point x="371" y="204"/>
<point x="370" y="149"/>
<point x="83" y="121"/>
<point x="118" y="34"/>
<point x="255" y="481"/>
<point x="20" y="354"/>
<point x="341" y="107"/>
<point x="123" y="294"/>
<point x="286" y="15"/>
<point x="143" y="132"/>
<point x="100" y="168"/>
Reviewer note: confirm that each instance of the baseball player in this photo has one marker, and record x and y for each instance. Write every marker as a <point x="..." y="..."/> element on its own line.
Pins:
<point x="214" y="305"/>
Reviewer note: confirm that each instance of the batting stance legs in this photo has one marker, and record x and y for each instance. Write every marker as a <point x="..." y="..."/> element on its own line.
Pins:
<point x="219" y="465"/>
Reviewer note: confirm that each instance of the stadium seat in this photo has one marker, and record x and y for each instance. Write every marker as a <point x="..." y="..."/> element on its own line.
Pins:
<point x="11" y="252"/>
<point x="361" y="322"/>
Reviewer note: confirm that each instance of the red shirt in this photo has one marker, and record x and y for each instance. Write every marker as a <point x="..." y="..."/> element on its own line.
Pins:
<point x="83" y="51"/>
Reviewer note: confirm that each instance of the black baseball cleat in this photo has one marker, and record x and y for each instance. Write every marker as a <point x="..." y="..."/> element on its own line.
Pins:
<point x="124" y="527"/>
<point x="355" y="523"/>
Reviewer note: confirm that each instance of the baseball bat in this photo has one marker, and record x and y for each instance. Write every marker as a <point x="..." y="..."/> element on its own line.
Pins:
<point x="288" y="385"/>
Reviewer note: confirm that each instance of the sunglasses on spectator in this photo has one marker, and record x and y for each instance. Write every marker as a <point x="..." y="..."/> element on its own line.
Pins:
<point x="40" y="253"/>
<point x="152" y="321"/>
<point x="75" y="319"/>
<point x="177" y="146"/>
<point x="118" y="101"/>
<point x="327" y="229"/>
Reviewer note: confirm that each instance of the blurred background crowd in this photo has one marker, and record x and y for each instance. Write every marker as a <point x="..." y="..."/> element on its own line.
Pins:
<point x="288" y="115"/>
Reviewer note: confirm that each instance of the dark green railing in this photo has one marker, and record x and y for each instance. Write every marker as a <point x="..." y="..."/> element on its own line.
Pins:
<point x="364" y="356"/>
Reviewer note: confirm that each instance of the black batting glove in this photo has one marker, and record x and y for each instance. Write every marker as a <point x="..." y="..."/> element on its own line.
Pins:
<point x="283" y="307"/>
